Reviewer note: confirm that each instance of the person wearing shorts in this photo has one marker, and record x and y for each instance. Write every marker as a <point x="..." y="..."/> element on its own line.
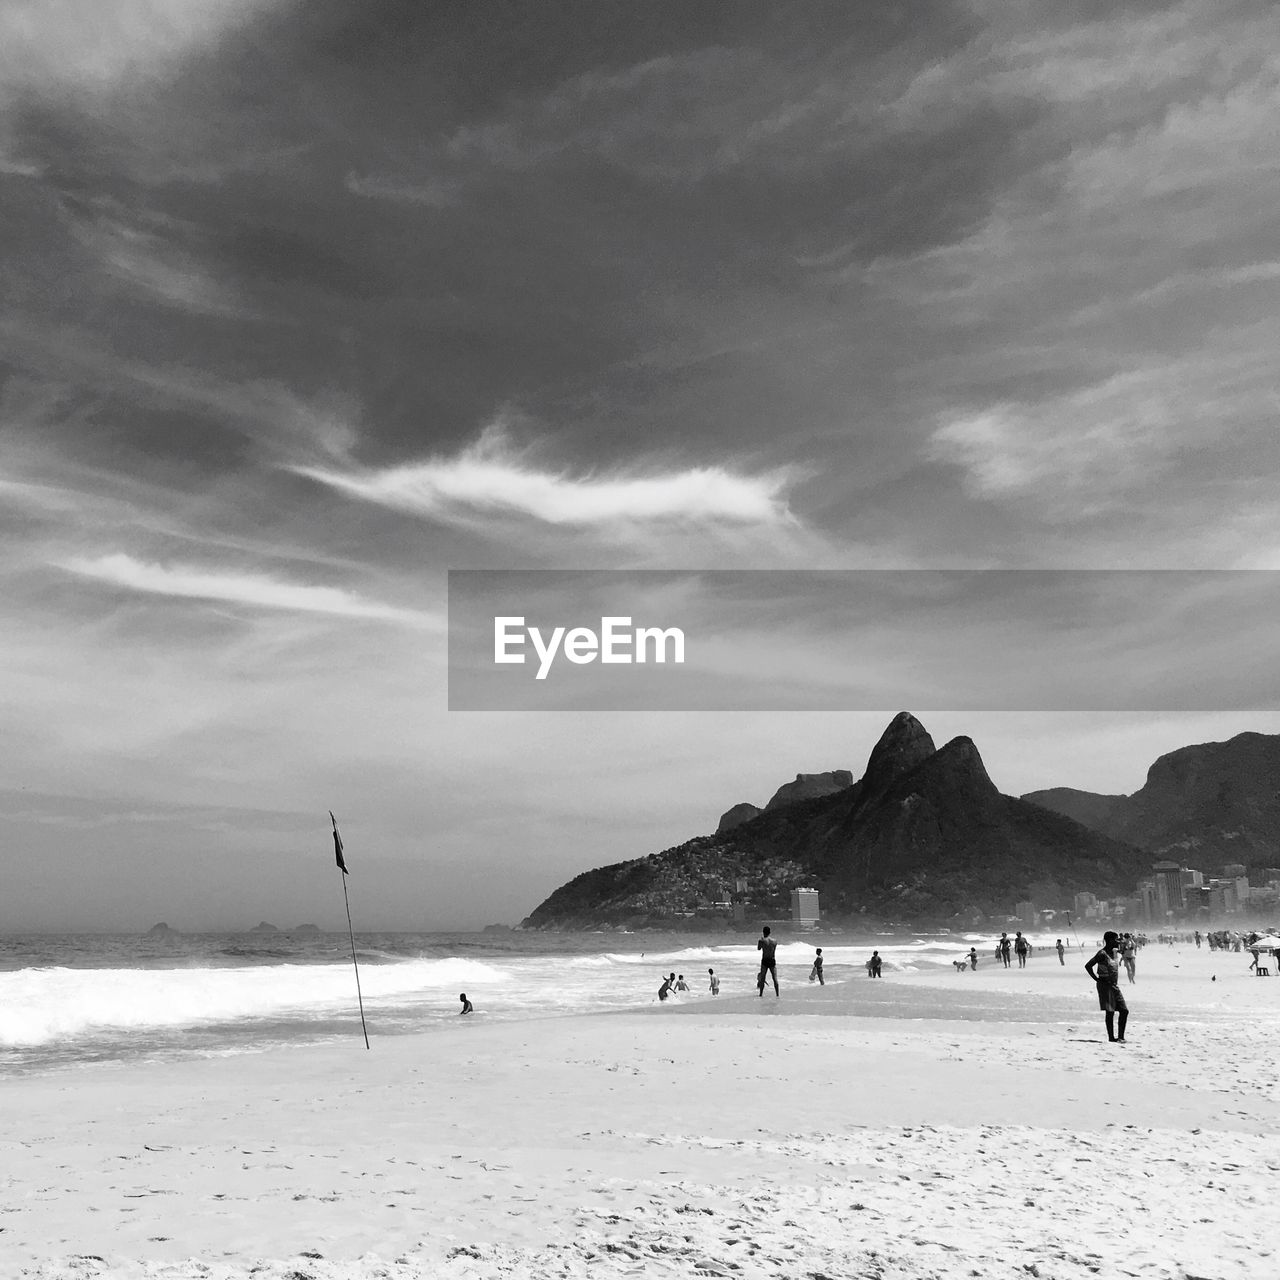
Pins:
<point x="768" y="948"/>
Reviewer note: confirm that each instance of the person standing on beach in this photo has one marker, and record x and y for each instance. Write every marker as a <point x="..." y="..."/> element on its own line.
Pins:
<point x="873" y="965"/>
<point x="1061" y="949"/>
<point x="973" y="959"/>
<point x="714" y="983"/>
<point x="467" y="1006"/>
<point x="767" y="947"/>
<point x="816" y="972"/>
<point x="1021" y="947"/>
<point x="1129" y="954"/>
<point x="1104" y="969"/>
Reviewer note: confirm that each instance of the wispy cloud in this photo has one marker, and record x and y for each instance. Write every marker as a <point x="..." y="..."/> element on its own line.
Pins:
<point x="435" y="193"/>
<point x="94" y="45"/>
<point x="146" y="250"/>
<point x="493" y="476"/>
<point x="256" y="590"/>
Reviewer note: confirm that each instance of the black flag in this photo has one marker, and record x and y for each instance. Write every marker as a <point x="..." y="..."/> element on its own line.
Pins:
<point x="337" y="845"/>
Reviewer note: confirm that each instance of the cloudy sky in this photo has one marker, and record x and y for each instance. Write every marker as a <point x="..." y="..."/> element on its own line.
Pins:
<point x="306" y="303"/>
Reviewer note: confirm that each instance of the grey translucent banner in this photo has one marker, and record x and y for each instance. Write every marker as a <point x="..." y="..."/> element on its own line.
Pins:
<point x="863" y="640"/>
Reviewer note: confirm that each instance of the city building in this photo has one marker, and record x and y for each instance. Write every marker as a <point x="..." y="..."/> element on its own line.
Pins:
<point x="1149" y="910"/>
<point x="1171" y="900"/>
<point x="804" y="908"/>
<point x="1226" y="896"/>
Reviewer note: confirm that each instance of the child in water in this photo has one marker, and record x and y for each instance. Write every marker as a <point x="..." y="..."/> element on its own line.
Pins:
<point x="715" y="982"/>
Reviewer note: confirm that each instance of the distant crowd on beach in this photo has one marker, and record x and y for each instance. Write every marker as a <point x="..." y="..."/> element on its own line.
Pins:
<point x="1006" y="952"/>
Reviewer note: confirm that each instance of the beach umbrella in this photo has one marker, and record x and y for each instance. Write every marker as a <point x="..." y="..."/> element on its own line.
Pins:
<point x="1263" y="944"/>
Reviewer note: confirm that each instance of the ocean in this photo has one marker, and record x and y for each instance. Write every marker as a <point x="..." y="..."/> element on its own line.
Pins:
<point x="76" y="999"/>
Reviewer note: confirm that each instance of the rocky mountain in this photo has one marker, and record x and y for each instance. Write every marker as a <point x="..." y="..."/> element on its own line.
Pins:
<point x="736" y="816"/>
<point x="923" y="835"/>
<point x="807" y="786"/>
<point x="1204" y="805"/>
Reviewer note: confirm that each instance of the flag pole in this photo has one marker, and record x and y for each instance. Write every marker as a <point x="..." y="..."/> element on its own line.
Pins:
<point x="1073" y="929"/>
<point x="342" y="866"/>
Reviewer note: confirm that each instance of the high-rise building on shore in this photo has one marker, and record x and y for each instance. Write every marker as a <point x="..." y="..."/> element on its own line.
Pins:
<point x="1171" y="900"/>
<point x="804" y="908"/>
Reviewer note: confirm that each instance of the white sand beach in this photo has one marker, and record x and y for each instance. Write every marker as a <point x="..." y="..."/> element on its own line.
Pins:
<point x="937" y="1125"/>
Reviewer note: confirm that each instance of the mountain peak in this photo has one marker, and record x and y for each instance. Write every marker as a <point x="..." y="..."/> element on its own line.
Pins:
<point x="962" y="757"/>
<point x="903" y="745"/>
<point x="809" y="786"/>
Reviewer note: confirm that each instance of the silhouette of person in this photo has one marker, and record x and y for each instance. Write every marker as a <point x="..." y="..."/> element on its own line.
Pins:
<point x="816" y="972"/>
<point x="467" y="1006"/>
<point x="1104" y="969"/>
<point x="1060" y="949"/>
<point x="714" y="983"/>
<point x="973" y="958"/>
<point x="768" y="948"/>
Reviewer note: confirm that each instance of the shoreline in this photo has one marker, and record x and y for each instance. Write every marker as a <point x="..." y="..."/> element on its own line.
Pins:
<point x="651" y="1138"/>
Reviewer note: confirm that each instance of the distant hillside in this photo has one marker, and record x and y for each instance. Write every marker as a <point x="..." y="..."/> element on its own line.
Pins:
<point x="1205" y="805"/>
<point x="923" y="835"/>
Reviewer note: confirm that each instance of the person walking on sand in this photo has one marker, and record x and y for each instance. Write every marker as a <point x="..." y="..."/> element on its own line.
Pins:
<point x="467" y="1006"/>
<point x="1060" y="950"/>
<point x="714" y="984"/>
<point x="1005" y="948"/>
<point x="1021" y="947"/>
<point x="767" y="947"/>
<point x="1104" y="969"/>
<point x="973" y="959"/>
<point x="1129" y="954"/>
<point x="815" y="974"/>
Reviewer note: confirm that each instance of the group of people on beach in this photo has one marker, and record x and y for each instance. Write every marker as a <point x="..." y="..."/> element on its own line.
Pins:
<point x="767" y="946"/>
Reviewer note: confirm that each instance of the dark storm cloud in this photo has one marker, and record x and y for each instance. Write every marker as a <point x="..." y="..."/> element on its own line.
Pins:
<point x="305" y="302"/>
